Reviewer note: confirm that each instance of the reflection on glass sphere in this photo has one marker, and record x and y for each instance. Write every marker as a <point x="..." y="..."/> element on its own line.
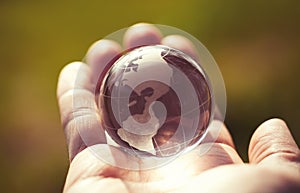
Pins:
<point x="155" y="100"/>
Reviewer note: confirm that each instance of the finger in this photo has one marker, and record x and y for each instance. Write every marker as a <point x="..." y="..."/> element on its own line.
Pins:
<point x="271" y="143"/>
<point x="181" y="43"/>
<point x="218" y="133"/>
<point x="141" y="34"/>
<point x="216" y="154"/>
<point x="78" y="109"/>
<point x="217" y="148"/>
<point x="100" y="56"/>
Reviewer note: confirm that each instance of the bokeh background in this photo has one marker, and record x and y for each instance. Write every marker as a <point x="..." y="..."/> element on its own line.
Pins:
<point x="256" y="44"/>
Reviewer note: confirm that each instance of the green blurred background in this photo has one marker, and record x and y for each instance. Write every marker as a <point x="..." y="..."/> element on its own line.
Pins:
<point x="256" y="44"/>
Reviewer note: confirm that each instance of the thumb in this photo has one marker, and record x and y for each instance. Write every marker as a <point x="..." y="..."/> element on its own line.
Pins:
<point x="272" y="143"/>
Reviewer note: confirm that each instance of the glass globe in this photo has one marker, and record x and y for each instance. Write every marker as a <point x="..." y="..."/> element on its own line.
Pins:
<point x="155" y="100"/>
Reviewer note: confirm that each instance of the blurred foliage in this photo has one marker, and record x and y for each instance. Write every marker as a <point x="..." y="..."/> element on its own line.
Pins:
<point x="256" y="44"/>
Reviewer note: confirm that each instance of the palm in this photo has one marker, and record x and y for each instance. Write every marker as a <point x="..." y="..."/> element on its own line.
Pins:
<point x="184" y="174"/>
<point x="218" y="169"/>
<point x="177" y="174"/>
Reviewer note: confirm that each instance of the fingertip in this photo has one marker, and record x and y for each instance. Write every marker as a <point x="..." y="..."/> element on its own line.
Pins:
<point x="69" y="77"/>
<point x="70" y="67"/>
<point x="272" y="140"/>
<point x="181" y="43"/>
<point x="264" y="130"/>
<point x="274" y="121"/>
<point x="103" y="43"/>
<point x="100" y="54"/>
<point x="142" y="34"/>
<point x="100" y="48"/>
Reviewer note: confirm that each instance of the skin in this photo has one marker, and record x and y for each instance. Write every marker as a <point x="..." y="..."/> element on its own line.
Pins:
<point x="274" y="157"/>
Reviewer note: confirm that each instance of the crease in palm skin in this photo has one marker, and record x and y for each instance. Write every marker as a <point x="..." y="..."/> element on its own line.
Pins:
<point x="213" y="166"/>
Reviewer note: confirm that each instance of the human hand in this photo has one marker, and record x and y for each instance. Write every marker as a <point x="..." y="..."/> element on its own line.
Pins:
<point x="274" y="157"/>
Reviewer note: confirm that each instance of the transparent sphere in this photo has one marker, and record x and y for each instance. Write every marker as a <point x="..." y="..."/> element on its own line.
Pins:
<point x="155" y="100"/>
